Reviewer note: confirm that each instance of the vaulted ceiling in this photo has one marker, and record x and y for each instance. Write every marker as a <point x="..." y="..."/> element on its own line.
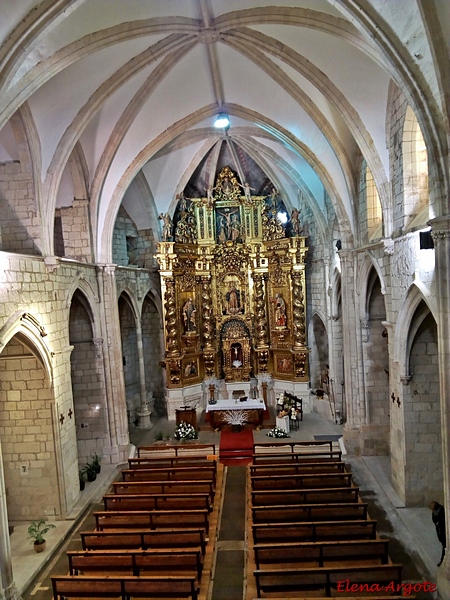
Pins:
<point x="119" y="97"/>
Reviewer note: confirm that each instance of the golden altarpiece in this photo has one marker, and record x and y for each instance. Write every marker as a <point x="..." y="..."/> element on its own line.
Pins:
<point x="233" y="285"/>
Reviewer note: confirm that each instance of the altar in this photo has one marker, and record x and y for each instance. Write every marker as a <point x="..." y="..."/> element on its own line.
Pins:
<point x="252" y="411"/>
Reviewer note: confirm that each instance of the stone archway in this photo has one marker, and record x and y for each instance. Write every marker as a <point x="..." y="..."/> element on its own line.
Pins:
<point x="27" y="431"/>
<point x="422" y="414"/>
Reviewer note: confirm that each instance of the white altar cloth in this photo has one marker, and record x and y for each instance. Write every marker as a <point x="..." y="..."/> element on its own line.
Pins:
<point x="250" y="404"/>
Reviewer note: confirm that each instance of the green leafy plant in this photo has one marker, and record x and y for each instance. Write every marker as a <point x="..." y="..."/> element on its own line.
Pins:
<point x="38" y="529"/>
<point x="95" y="462"/>
<point x="91" y="471"/>
<point x="158" y="437"/>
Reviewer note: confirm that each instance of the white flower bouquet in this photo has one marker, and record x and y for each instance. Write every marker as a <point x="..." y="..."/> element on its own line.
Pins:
<point x="276" y="432"/>
<point x="185" y="431"/>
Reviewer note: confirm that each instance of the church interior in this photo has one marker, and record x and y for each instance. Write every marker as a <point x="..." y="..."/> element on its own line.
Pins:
<point x="208" y="206"/>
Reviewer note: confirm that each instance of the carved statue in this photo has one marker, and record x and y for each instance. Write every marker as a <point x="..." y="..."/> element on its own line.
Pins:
<point x="295" y="222"/>
<point x="189" y="316"/>
<point x="280" y="311"/>
<point x="247" y="191"/>
<point x="167" y="227"/>
<point x="233" y="298"/>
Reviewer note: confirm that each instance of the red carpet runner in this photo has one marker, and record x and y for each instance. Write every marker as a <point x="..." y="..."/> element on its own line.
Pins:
<point x="236" y="448"/>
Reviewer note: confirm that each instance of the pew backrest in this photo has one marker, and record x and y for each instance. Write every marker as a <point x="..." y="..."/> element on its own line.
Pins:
<point x="144" y="539"/>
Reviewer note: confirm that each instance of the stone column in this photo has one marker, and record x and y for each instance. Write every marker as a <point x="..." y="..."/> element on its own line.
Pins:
<point x="8" y="589"/>
<point x="112" y="356"/>
<point x="441" y="236"/>
<point x="144" y="413"/>
<point x="354" y="399"/>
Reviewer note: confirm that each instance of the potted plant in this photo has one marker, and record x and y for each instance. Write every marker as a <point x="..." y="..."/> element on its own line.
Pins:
<point x="36" y="532"/>
<point x="96" y="460"/>
<point x="82" y="476"/>
<point x="91" y="472"/>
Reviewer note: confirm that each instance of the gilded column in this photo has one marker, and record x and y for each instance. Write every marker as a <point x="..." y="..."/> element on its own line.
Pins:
<point x="260" y="311"/>
<point x="207" y="311"/>
<point x="172" y="347"/>
<point x="262" y="344"/>
<point x="209" y="354"/>
<point x="299" y="309"/>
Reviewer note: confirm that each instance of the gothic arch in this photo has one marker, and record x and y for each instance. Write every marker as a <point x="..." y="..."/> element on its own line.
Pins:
<point x="404" y="330"/>
<point x="363" y="282"/>
<point x="30" y="330"/>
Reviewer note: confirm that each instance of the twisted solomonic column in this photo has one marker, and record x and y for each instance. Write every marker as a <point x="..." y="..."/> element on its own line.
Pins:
<point x="260" y="311"/>
<point x="299" y="310"/>
<point x="207" y="312"/>
<point x="171" y="318"/>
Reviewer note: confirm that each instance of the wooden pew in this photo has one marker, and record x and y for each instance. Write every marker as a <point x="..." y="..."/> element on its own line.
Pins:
<point x="292" y="447"/>
<point x="178" y="561"/>
<point x="261" y="458"/>
<point x="149" y="462"/>
<point x="176" y="450"/>
<point x="207" y="472"/>
<point x="300" y="480"/>
<point x="164" y="487"/>
<point x="144" y="539"/>
<point x="309" y="512"/>
<point x="151" y="519"/>
<point x="294" y="468"/>
<point x="149" y="586"/>
<point x="320" y="495"/>
<point x="318" y="554"/>
<point x="314" y="531"/>
<point x="156" y="501"/>
<point x="325" y="578"/>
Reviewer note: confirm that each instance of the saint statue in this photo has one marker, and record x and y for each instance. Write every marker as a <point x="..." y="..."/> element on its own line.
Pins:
<point x="280" y="311"/>
<point x="189" y="313"/>
<point x="295" y="222"/>
<point x="233" y="298"/>
<point x="167" y="227"/>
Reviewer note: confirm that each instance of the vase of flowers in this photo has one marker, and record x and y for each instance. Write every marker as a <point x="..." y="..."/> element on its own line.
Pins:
<point x="185" y="431"/>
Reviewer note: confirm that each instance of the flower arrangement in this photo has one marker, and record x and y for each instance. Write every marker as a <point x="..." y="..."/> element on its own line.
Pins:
<point x="276" y="432"/>
<point x="234" y="417"/>
<point x="185" y="431"/>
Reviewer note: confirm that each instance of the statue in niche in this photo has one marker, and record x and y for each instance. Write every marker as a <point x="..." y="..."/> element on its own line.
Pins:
<point x="235" y="229"/>
<point x="236" y="355"/>
<point x="280" y="311"/>
<point x="233" y="299"/>
<point x="167" y="227"/>
<point x="189" y="316"/>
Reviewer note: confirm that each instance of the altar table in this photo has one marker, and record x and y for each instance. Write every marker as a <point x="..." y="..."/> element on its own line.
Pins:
<point x="254" y="409"/>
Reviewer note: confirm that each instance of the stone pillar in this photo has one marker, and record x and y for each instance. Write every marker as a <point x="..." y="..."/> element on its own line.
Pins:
<point x="144" y="413"/>
<point x="441" y="236"/>
<point x="115" y="387"/>
<point x="8" y="589"/>
<point x="354" y="399"/>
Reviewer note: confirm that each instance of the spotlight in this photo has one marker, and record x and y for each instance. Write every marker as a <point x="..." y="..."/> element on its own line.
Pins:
<point x="282" y="217"/>
<point x="222" y="121"/>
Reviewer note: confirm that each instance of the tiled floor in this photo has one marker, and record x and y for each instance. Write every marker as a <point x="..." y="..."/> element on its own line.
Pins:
<point x="411" y="527"/>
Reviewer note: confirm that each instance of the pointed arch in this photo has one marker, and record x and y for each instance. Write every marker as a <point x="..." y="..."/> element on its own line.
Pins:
<point x="404" y="333"/>
<point x="32" y="335"/>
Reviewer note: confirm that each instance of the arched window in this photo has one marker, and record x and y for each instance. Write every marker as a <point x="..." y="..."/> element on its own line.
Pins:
<point x="415" y="172"/>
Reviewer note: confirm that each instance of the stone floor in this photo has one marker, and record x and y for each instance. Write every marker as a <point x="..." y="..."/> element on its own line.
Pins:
<point x="410" y="529"/>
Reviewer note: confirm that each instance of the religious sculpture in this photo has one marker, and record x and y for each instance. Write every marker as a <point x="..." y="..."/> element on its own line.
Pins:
<point x="247" y="191"/>
<point x="280" y="311"/>
<point x="233" y="298"/>
<point x="295" y="222"/>
<point x="189" y="316"/>
<point x="167" y="227"/>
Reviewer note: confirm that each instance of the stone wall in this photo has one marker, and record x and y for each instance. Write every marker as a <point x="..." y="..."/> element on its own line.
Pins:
<point x="26" y="431"/>
<point x="19" y="223"/>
